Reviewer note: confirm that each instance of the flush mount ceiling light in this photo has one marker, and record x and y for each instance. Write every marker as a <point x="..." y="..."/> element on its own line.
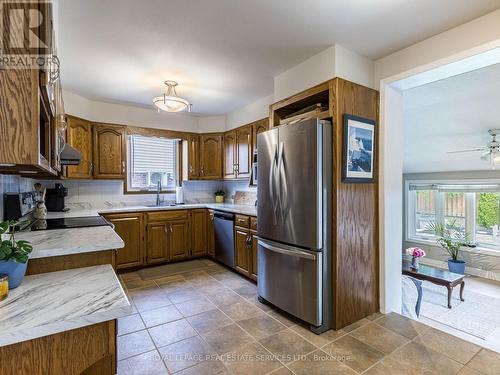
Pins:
<point x="169" y="101"/>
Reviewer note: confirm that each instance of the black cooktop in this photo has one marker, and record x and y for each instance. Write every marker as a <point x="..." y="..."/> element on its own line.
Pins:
<point x="70" y="222"/>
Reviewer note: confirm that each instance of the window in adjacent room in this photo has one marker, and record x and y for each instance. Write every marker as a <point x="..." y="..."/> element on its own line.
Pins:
<point x="152" y="160"/>
<point x="472" y="208"/>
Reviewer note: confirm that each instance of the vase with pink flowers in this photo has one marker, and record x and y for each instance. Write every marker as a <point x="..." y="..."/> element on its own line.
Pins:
<point x="416" y="253"/>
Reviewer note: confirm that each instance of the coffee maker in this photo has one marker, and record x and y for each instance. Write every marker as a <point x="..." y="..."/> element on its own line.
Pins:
<point x="54" y="198"/>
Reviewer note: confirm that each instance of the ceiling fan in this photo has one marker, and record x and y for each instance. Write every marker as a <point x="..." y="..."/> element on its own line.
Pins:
<point x="490" y="152"/>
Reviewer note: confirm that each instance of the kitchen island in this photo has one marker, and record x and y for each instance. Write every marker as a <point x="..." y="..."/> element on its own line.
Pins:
<point x="65" y="320"/>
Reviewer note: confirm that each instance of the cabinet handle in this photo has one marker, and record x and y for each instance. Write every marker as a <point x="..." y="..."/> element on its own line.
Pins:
<point x="191" y="169"/>
<point x="123" y="166"/>
<point x="125" y="219"/>
<point x="202" y="171"/>
<point x="171" y="228"/>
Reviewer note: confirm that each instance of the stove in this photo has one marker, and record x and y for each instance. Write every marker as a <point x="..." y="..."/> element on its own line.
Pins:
<point x="70" y="222"/>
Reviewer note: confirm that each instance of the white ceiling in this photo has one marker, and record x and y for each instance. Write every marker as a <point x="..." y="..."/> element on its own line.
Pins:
<point x="224" y="53"/>
<point x="450" y="115"/>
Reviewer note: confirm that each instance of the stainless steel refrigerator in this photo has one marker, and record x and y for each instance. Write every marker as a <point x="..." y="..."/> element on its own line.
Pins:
<point x="294" y="220"/>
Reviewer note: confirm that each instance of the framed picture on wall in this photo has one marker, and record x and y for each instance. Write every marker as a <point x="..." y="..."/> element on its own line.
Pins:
<point x="358" y="150"/>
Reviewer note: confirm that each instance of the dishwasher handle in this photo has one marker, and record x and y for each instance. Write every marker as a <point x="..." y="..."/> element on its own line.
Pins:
<point x="224" y="215"/>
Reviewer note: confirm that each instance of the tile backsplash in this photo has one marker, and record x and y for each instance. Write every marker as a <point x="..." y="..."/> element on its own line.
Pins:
<point x="106" y="193"/>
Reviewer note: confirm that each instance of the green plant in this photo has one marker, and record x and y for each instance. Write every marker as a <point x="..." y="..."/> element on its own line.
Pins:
<point x="487" y="210"/>
<point x="450" y="237"/>
<point x="11" y="249"/>
<point x="220" y="193"/>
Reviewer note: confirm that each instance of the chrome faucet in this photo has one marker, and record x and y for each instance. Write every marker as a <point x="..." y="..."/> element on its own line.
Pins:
<point x="158" y="190"/>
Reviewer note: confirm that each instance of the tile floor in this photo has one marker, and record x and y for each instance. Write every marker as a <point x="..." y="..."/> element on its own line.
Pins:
<point x="210" y="322"/>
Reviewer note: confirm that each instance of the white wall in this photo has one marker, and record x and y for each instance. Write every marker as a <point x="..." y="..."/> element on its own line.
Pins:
<point x="249" y="113"/>
<point x="208" y="124"/>
<point x="335" y="61"/>
<point x="122" y="114"/>
<point x="315" y="70"/>
<point x="468" y="39"/>
<point x="391" y="198"/>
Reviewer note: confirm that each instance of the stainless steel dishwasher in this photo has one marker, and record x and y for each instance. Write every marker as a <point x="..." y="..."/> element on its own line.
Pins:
<point x="224" y="237"/>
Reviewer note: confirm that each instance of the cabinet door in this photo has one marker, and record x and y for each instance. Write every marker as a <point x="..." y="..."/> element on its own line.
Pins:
<point x="244" y="152"/>
<point x="242" y="244"/>
<point x="211" y="234"/>
<point x="79" y="136"/>
<point x="130" y="228"/>
<point x="210" y="156"/>
<point x="230" y="154"/>
<point x="257" y="128"/>
<point x="193" y="157"/>
<point x="253" y="257"/>
<point x="109" y="152"/>
<point x="178" y="239"/>
<point x="199" y="232"/>
<point x="157" y="243"/>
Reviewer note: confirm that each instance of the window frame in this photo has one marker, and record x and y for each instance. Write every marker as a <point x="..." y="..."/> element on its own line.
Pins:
<point x="179" y="161"/>
<point x="470" y="212"/>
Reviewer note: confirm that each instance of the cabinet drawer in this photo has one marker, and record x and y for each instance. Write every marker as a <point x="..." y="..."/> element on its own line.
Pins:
<point x="166" y="215"/>
<point x="242" y="221"/>
<point x="253" y="223"/>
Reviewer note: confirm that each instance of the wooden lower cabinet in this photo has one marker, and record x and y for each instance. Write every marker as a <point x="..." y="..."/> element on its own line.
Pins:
<point x="168" y="236"/>
<point x="254" y="259"/>
<point x="86" y="350"/>
<point x="246" y="246"/>
<point x="130" y="227"/>
<point x="178" y="239"/>
<point x="242" y="247"/>
<point x="199" y="240"/>
<point x="210" y="234"/>
<point x="157" y="243"/>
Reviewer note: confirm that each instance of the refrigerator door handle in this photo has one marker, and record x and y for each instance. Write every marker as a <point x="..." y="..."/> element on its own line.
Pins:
<point x="278" y="180"/>
<point x="283" y="185"/>
<point x="281" y="250"/>
<point x="272" y="184"/>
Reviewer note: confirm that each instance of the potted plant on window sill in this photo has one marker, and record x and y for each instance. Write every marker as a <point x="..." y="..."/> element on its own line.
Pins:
<point x="451" y="239"/>
<point x="219" y="196"/>
<point x="13" y="254"/>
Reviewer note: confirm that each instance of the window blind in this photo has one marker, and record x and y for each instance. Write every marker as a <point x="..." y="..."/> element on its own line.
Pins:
<point x="472" y="188"/>
<point x="153" y="154"/>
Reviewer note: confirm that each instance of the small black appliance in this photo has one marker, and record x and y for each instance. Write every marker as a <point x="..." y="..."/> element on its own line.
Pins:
<point x="54" y="198"/>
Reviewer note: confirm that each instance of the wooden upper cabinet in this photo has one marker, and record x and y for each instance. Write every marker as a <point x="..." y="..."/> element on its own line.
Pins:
<point x="199" y="238"/>
<point x="257" y="128"/>
<point x="109" y="152"/>
<point x="178" y="239"/>
<point x="244" y="151"/>
<point x="211" y="156"/>
<point x="79" y="136"/>
<point x="130" y="228"/>
<point x="193" y="155"/>
<point x="230" y="154"/>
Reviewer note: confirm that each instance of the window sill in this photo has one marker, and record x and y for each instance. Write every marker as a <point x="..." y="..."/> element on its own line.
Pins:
<point x="474" y="250"/>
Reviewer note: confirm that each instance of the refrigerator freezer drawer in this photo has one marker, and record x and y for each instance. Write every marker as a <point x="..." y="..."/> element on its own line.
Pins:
<point x="290" y="279"/>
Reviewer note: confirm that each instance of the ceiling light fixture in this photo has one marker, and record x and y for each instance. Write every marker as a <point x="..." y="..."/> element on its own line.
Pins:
<point x="169" y="101"/>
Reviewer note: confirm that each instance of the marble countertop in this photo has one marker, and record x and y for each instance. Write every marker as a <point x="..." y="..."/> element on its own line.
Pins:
<point x="228" y="207"/>
<point x="49" y="243"/>
<point x="55" y="302"/>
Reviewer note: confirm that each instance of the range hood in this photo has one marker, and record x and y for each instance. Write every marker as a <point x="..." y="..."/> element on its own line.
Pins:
<point x="69" y="156"/>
